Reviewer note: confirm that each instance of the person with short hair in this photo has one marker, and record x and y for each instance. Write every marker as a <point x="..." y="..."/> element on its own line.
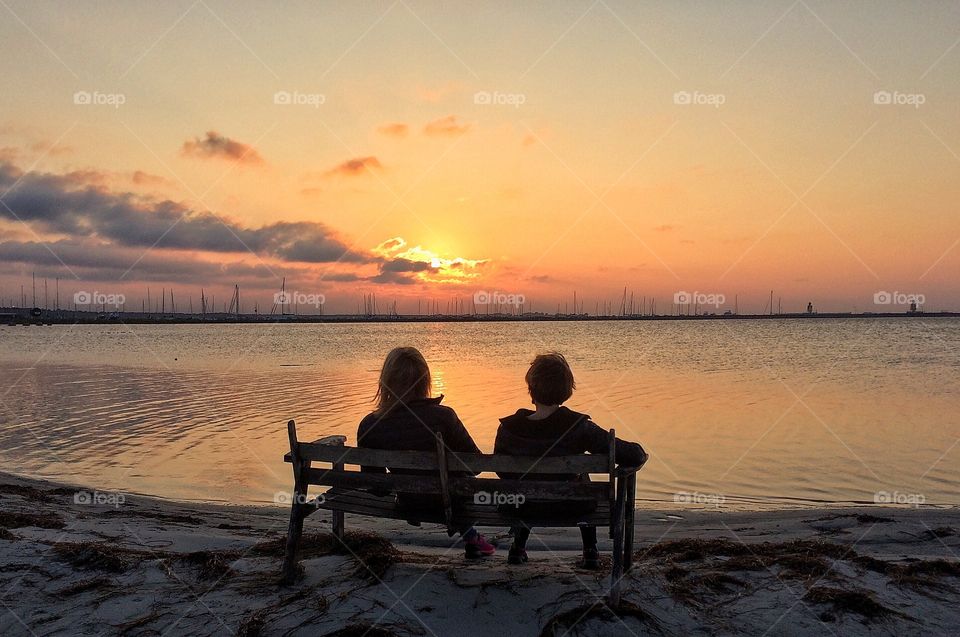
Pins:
<point x="555" y="430"/>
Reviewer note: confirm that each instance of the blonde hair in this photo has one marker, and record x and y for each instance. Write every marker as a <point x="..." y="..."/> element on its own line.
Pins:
<point x="405" y="376"/>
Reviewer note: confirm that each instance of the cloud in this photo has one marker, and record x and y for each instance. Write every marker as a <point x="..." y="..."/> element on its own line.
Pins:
<point x="664" y="228"/>
<point x="63" y="204"/>
<point x="101" y="261"/>
<point x="446" y="127"/>
<point x="427" y="266"/>
<point x="215" y="145"/>
<point x="355" y="167"/>
<point x="141" y="178"/>
<point x="394" y="129"/>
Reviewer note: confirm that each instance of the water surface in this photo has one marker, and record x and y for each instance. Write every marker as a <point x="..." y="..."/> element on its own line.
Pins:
<point x="747" y="413"/>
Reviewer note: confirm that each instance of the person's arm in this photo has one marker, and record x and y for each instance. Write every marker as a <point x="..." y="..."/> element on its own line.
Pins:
<point x="362" y="432"/>
<point x="457" y="438"/>
<point x="597" y="440"/>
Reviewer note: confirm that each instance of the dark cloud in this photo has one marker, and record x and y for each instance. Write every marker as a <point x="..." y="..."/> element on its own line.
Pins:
<point x="62" y="204"/>
<point x="215" y="145"/>
<point x="404" y="265"/>
<point x="106" y="262"/>
<point x="395" y="278"/>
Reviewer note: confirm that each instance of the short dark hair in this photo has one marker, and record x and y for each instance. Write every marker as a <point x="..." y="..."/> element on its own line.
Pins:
<point x="550" y="379"/>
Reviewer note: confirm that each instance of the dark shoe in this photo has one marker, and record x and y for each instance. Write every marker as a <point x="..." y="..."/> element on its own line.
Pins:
<point x="591" y="559"/>
<point x="516" y="556"/>
<point x="477" y="547"/>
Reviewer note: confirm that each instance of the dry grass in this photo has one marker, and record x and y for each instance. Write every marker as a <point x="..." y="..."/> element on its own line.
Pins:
<point x="11" y="520"/>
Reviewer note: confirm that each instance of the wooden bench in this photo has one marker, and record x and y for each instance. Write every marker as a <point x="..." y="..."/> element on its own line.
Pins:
<point x="462" y="496"/>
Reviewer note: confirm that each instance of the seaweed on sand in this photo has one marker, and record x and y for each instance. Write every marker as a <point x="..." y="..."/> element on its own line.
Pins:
<point x="563" y="623"/>
<point x="211" y="565"/>
<point x="100" y="556"/>
<point x="12" y="520"/>
<point x="849" y="600"/>
<point x="373" y="553"/>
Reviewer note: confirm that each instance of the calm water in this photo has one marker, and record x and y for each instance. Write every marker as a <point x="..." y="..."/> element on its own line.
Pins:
<point x="750" y="413"/>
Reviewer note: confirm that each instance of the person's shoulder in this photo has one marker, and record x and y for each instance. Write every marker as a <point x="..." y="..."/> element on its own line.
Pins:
<point x="520" y="416"/>
<point x="368" y="422"/>
<point x="574" y="417"/>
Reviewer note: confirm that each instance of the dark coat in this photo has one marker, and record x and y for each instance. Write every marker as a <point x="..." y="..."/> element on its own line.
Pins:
<point x="563" y="433"/>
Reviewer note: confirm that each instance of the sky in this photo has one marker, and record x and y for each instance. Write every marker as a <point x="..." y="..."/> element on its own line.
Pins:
<point x="468" y="153"/>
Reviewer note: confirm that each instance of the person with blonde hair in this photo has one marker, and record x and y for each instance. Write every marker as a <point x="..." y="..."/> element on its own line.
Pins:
<point x="407" y="418"/>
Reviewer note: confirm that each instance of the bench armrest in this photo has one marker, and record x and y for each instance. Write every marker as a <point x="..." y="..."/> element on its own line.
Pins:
<point x="337" y="441"/>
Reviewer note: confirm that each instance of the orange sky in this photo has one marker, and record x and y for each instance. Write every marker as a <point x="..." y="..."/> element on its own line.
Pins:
<point x="431" y="151"/>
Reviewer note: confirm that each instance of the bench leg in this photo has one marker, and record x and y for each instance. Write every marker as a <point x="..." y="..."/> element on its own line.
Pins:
<point x="338" y="525"/>
<point x="294" y="532"/>
<point x="628" y="523"/>
<point x="616" y="574"/>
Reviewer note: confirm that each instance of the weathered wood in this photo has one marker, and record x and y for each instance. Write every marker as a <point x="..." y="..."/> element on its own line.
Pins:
<point x="465" y="462"/>
<point x="611" y="468"/>
<point x="628" y="520"/>
<point x="444" y="481"/>
<point x="295" y="526"/>
<point x="387" y="482"/>
<point x="450" y="476"/>
<point x="365" y="503"/>
<point x="529" y="489"/>
<point x="616" y="528"/>
<point x="336" y="520"/>
<point x="482" y="463"/>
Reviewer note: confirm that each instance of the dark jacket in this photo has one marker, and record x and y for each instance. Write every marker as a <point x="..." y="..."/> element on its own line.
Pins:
<point x="563" y="433"/>
<point x="413" y="427"/>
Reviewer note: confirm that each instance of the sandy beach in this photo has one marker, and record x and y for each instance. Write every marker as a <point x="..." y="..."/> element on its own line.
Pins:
<point x="137" y="565"/>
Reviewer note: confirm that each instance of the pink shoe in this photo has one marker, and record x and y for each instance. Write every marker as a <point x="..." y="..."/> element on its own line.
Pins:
<point x="477" y="547"/>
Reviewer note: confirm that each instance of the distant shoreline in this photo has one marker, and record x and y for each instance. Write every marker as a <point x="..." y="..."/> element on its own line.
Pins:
<point x="37" y="316"/>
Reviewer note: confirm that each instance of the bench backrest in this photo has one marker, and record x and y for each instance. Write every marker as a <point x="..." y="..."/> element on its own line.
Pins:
<point x="446" y="471"/>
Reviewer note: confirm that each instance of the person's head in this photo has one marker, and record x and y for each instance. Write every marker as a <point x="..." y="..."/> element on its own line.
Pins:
<point x="550" y="380"/>
<point x="405" y="377"/>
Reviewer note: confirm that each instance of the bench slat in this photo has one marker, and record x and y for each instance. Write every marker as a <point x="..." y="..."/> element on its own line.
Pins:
<point x="375" y="481"/>
<point x="472" y="462"/>
<point x="364" y="503"/>
<point x="530" y="489"/>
